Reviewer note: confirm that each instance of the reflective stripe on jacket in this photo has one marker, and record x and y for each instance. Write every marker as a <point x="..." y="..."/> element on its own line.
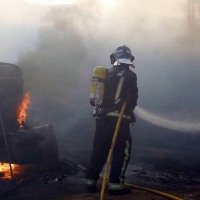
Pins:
<point x="116" y="114"/>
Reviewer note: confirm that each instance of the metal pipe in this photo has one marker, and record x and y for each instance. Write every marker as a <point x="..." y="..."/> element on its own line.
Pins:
<point x="6" y="145"/>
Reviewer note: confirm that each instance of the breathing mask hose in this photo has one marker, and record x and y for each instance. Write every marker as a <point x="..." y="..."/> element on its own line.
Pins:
<point x="111" y="151"/>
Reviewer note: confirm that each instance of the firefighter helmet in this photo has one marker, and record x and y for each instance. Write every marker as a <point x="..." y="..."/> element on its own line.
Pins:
<point x="122" y="54"/>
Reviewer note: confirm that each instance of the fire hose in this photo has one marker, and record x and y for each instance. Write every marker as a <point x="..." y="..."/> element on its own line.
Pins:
<point x="109" y="161"/>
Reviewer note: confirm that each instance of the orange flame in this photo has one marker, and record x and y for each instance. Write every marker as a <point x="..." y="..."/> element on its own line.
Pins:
<point x="23" y="107"/>
<point x="5" y="168"/>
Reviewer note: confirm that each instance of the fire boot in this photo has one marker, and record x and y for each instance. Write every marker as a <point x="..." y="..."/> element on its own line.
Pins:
<point x="91" y="185"/>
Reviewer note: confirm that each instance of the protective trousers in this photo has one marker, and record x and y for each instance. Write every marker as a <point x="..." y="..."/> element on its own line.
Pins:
<point x="105" y="128"/>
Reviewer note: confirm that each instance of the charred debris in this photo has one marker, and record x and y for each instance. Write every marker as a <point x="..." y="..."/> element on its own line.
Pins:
<point x="25" y="150"/>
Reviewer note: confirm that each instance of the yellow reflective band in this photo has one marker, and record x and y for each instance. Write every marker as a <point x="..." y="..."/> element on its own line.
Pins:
<point x="114" y="114"/>
<point x="127" y="154"/>
<point x="119" y="88"/>
<point x="116" y="186"/>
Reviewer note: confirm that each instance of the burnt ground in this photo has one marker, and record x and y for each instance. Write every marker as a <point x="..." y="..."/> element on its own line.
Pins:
<point x="175" y="171"/>
<point x="59" y="186"/>
<point x="167" y="173"/>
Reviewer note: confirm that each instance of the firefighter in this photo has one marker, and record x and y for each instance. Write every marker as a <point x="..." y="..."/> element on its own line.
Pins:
<point x="120" y="86"/>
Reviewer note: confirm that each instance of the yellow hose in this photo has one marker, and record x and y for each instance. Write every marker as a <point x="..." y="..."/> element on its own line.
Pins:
<point x="169" y="196"/>
<point x="111" y="151"/>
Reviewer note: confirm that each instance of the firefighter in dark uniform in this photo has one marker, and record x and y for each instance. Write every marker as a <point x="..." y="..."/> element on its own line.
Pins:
<point x="120" y="86"/>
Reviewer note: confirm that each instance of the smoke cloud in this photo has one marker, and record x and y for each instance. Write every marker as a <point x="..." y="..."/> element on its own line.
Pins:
<point x="74" y="39"/>
<point x="56" y="71"/>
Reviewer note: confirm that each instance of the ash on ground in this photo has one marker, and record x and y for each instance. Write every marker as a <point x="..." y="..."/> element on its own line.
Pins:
<point x="149" y="176"/>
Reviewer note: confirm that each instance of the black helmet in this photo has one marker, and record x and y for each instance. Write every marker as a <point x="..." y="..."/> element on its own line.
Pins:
<point x="122" y="54"/>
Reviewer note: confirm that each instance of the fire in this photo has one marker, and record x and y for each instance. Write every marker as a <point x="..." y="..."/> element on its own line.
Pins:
<point x="5" y="170"/>
<point x="23" y="107"/>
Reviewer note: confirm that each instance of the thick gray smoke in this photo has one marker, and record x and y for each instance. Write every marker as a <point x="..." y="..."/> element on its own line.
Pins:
<point x="54" y="71"/>
<point x="72" y="40"/>
<point x="164" y="44"/>
<point x="53" y="68"/>
<point x="166" y="50"/>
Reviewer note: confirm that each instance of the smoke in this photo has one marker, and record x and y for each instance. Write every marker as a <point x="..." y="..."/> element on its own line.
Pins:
<point x="165" y="46"/>
<point x="53" y="67"/>
<point x="54" y="70"/>
<point x="77" y="18"/>
<point x="74" y="39"/>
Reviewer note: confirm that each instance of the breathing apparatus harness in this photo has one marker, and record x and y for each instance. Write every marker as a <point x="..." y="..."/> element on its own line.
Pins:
<point x="121" y="56"/>
<point x="97" y="95"/>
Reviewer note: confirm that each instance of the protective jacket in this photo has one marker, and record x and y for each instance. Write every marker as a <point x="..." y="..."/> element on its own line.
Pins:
<point x="121" y="85"/>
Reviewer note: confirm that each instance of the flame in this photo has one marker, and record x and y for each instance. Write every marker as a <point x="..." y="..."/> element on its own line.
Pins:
<point x="5" y="168"/>
<point x="23" y="106"/>
<point x="19" y="171"/>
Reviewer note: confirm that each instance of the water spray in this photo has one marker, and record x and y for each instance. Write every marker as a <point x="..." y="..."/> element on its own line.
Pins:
<point x="166" y="123"/>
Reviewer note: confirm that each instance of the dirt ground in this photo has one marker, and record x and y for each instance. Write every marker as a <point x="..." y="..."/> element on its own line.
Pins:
<point x="72" y="188"/>
<point x="56" y="187"/>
